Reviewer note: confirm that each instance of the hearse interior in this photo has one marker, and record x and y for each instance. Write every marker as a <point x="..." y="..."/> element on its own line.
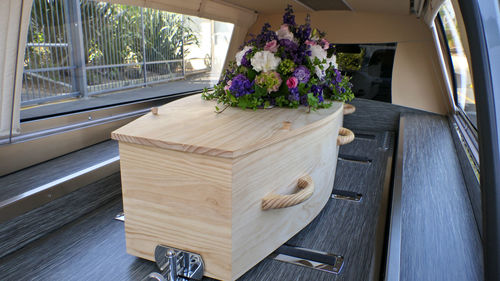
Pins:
<point x="130" y="149"/>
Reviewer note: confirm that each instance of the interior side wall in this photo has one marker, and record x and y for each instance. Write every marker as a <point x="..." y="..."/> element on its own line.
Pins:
<point x="417" y="80"/>
<point x="14" y="21"/>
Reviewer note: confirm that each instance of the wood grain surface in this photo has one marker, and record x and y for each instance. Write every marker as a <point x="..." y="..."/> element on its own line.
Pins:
<point x="178" y="199"/>
<point x="275" y="169"/>
<point x="211" y="205"/>
<point x="20" y="231"/>
<point x="191" y="125"/>
<point x="343" y="227"/>
<point x="93" y="247"/>
<point x="439" y="238"/>
<point x="375" y="115"/>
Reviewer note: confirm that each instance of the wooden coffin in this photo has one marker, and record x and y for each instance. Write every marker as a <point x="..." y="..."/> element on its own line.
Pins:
<point x="195" y="180"/>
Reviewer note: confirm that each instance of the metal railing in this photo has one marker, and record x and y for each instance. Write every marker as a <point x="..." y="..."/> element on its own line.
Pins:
<point x="79" y="48"/>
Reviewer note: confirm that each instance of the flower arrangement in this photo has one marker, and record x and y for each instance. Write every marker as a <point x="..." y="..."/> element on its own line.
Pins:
<point x="293" y="66"/>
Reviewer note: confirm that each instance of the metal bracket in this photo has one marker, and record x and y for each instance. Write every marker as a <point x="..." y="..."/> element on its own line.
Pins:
<point x="120" y="216"/>
<point x="176" y="265"/>
<point x="346" y="195"/>
<point x="318" y="260"/>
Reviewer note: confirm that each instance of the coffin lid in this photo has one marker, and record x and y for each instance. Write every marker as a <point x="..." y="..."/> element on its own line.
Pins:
<point x="191" y="125"/>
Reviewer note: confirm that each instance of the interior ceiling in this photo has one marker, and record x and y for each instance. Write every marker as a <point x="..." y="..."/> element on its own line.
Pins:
<point x="401" y="7"/>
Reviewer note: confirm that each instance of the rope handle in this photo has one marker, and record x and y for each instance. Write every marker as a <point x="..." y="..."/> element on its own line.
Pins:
<point x="276" y="201"/>
<point x="345" y="136"/>
<point x="349" y="108"/>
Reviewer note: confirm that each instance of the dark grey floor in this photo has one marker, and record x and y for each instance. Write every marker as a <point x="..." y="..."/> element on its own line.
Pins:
<point x="439" y="238"/>
<point x="344" y="227"/>
<point x="93" y="247"/>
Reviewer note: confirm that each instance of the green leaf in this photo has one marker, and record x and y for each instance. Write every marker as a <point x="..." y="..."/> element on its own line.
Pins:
<point x="251" y="74"/>
<point x="260" y="91"/>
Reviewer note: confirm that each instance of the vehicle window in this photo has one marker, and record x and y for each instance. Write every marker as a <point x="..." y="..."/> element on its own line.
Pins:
<point x="464" y="89"/>
<point x="110" y="50"/>
<point x="370" y="68"/>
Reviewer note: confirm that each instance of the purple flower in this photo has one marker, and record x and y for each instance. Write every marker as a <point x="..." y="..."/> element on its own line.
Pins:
<point x="321" y="98"/>
<point x="303" y="100"/>
<point x="289" y="45"/>
<point x="318" y="92"/>
<point x="294" y="94"/>
<point x="266" y="35"/>
<point x="245" y="61"/>
<point x="304" y="31"/>
<point x="241" y="86"/>
<point x="332" y="46"/>
<point x="338" y="76"/>
<point x="288" y="17"/>
<point x="315" y="89"/>
<point x="302" y="74"/>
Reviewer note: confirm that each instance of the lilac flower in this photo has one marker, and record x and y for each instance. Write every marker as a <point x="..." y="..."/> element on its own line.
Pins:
<point x="302" y="74"/>
<point x="241" y="86"/>
<point x="288" y="17"/>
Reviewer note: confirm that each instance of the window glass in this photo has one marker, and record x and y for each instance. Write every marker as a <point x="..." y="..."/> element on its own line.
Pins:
<point x="370" y="68"/>
<point x="464" y="89"/>
<point x="111" y="52"/>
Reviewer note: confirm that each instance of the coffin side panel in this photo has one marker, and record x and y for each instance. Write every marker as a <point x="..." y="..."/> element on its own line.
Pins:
<point x="276" y="168"/>
<point x="177" y="199"/>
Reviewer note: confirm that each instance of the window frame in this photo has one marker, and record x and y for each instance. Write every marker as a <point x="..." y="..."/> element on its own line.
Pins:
<point x="483" y="28"/>
<point x="468" y="131"/>
<point x="445" y="48"/>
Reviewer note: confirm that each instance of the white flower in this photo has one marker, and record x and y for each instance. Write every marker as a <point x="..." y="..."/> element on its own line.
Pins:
<point x="317" y="52"/>
<point x="284" y="33"/>
<point x="332" y="61"/>
<point x="240" y="54"/>
<point x="265" y="61"/>
<point x="319" y="72"/>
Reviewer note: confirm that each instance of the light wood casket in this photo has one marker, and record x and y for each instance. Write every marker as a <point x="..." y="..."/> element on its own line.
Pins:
<point x="195" y="180"/>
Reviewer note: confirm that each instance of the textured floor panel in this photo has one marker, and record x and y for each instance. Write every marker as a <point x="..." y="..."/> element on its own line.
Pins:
<point x="93" y="247"/>
<point x="343" y="227"/>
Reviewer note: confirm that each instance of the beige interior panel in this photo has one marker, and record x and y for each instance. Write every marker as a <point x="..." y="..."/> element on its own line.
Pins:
<point x="417" y="78"/>
<point x="349" y="27"/>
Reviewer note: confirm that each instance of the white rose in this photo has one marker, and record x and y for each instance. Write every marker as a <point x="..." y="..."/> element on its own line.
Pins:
<point x="317" y="52"/>
<point x="240" y="54"/>
<point x="265" y="61"/>
<point x="284" y="33"/>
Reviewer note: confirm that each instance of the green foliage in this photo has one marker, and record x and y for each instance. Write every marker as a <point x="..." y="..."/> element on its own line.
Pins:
<point x="112" y="34"/>
<point x="350" y="61"/>
<point x="286" y="66"/>
<point x="341" y="93"/>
